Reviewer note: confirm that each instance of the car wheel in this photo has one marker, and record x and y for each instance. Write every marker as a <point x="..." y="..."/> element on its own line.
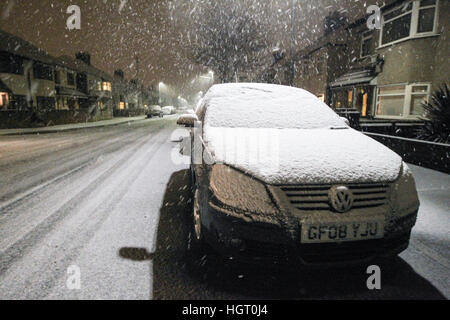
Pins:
<point x="196" y="252"/>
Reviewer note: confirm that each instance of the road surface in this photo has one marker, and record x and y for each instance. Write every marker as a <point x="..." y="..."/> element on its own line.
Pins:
<point x="109" y="203"/>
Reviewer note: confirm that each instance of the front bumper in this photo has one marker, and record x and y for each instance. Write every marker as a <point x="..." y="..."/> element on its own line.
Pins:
<point x="262" y="243"/>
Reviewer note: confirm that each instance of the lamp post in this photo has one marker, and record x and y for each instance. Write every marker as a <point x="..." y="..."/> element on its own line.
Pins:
<point x="160" y="85"/>
<point x="292" y="62"/>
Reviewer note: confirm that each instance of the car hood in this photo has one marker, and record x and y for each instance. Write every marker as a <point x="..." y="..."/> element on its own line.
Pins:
<point x="299" y="156"/>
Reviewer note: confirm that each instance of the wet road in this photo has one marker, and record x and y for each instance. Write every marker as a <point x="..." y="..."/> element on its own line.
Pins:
<point x="111" y="203"/>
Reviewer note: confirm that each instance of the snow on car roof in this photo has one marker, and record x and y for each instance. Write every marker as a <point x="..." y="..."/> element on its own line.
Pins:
<point x="252" y="105"/>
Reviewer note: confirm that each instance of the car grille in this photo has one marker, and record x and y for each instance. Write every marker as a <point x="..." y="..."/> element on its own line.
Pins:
<point x="316" y="197"/>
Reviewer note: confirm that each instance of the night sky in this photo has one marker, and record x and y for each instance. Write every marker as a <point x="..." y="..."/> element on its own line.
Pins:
<point x="142" y="28"/>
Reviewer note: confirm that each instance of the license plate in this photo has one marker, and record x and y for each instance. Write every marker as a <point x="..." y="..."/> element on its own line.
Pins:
<point x="336" y="232"/>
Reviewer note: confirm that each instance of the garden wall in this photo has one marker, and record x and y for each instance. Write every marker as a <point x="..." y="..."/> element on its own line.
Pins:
<point x="430" y="155"/>
<point x="14" y="119"/>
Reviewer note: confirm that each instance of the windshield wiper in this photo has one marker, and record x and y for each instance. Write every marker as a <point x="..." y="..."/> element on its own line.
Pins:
<point x="339" y="128"/>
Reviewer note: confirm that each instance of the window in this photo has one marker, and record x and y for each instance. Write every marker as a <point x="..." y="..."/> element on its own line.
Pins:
<point x="121" y="105"/>
<point x="42" y="71"/>
<point x="402" y="101"/>
<point x="363" y="100"/>
<point x="419" y="94"/>
<point x="18" y="102"/>
<point x="45" y="103"/>
<point x="106" y="86"/>
<point x="427" y="13"/>
<point x="70" y="79"/>
<point x="342" y="98"/>
<point x="367" y="44"/>
<point x="3" y="100"/>
<point x="10" y="63"/>
<point x="412" y="19"/>
<point x="57" y="77"/>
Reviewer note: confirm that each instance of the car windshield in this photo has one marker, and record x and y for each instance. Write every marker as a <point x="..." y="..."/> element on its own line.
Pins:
<point x="267" y="106"/>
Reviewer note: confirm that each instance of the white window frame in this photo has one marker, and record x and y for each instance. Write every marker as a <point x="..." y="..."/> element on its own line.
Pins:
<point x="408" y="93"/>
<point x="366" y="35"/>
<point x="413" y="34"/>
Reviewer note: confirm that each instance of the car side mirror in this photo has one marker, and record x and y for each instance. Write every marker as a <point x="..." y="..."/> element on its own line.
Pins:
<point x="346" y="121"/>
<point x="187" y="120"/>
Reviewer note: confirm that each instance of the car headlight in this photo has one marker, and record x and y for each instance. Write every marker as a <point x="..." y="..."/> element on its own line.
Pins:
<point x="404" y="193"/>
<point x="241" y="193"/>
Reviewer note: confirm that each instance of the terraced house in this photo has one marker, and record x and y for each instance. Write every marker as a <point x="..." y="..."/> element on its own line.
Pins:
<point x="37" y="89"/>
<point x="385" y="74"/>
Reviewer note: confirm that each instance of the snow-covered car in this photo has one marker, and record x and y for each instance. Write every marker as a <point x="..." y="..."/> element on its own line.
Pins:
<point x="335" y="196"/>
<point x="155" y="111"/>
<point x="168" y="110"/>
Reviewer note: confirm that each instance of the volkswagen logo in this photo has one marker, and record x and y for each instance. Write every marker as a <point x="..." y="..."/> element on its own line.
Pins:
<point x="341" y="198"/>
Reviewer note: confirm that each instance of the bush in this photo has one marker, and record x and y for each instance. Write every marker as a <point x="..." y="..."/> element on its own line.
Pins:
<point x="437" y="120"/>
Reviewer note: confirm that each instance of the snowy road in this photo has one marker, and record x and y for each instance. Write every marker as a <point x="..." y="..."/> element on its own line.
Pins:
<point x="110" y="201"/>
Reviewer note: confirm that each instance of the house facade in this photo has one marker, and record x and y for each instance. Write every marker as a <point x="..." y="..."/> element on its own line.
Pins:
<point x="26" y="75"/>
<point x="38" y="89"/>
<point x="385" y="73"/>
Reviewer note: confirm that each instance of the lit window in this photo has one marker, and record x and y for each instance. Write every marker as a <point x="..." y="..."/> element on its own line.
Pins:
<point x="412" y="19"/>
<point x="3" y="100"/>
<point x="122" y="105"/>
<point x="106" y="86"/>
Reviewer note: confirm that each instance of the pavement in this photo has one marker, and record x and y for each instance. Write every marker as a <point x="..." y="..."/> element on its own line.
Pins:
<point x="71" y="126"/>
<point x="110" y="203"/>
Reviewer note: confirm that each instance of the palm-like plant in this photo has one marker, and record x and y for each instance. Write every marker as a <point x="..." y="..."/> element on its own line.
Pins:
<point x="437" y="122"/>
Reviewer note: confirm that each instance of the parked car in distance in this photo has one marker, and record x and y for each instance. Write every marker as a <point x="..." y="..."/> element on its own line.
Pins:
<point x="155" y="111"/>
<point x="321" y="194"/>
<point x="168" y="110"/>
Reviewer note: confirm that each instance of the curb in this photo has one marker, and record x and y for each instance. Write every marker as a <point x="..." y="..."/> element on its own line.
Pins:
<point x="45" y="130"/>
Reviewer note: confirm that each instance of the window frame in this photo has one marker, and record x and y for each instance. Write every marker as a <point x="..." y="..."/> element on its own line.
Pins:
<point x="365" y="37"/>
<point x="39" y="74"/>
<point x="414" y="24"/>
<point x="408" y="94"/>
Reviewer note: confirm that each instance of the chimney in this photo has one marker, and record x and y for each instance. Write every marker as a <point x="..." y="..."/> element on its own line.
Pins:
<point x="84" y="56"/>
<point x="334" y="21"/>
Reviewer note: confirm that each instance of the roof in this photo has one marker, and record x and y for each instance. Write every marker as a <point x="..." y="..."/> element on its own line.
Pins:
<point x="4" y="87"/>
<point x="18" y="46"/>
<point x="23" y="48"/>
<point x="354" y="77"/>
<point x="69" y="92"/>
<point x="78" y="65"/>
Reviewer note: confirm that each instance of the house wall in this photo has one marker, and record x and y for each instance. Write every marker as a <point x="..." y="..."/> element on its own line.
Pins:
<point x="416" y="60"/>
<point x="442" y="50"/>
<point x="63" y="77"/>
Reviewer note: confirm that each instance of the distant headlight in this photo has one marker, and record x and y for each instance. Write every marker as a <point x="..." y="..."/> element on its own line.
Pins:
<point x="404" y="193"/>
<point x="241" y="193"/>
